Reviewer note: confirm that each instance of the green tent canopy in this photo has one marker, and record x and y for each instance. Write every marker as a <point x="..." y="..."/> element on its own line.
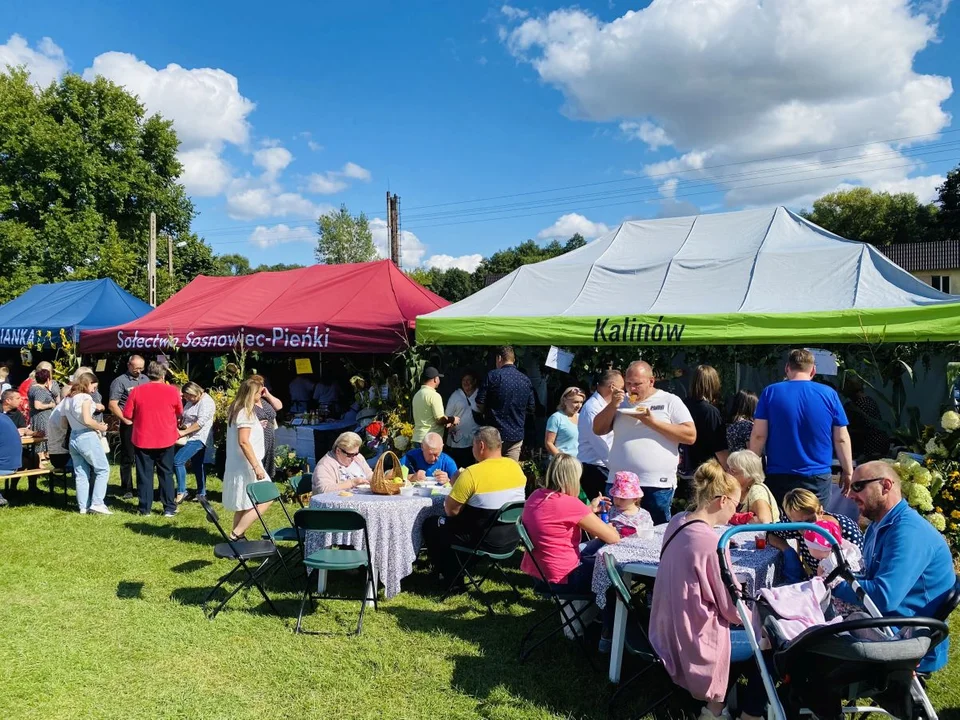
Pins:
<point x="752" y="277"/>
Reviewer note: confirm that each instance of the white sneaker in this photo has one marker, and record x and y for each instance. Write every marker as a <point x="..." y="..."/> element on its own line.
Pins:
<point x="101" y="510"/>
<point x="83" y="511"/>
<point x="705" y="714"/>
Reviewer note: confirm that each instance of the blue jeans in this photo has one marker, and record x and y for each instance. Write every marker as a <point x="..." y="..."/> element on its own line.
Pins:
<point x="88" y="457"/>
<point x="657" y="501"/>
<point x="192" y="450"/>
<point x="753" y="700"/>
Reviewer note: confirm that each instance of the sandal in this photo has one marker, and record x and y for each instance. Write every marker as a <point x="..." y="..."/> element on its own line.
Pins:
<point x="237" y="538"/>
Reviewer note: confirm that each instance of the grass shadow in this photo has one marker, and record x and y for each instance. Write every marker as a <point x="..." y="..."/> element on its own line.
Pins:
<point x="191" y="566"/>
<point x="130" y="590"/>
<point x="196" y="597"/>
<point x="195" y="535"/>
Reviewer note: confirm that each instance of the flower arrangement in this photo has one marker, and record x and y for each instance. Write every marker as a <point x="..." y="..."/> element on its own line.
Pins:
<point x="287" y="460"/>
<point x="65" y="362"/>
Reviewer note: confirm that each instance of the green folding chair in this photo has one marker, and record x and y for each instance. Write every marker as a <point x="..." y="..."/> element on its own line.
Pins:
<point x="266" y="491"/>
<point x="636" y="644"/>
<point x="469" y="556"/>
<point x="300" y="485"/>
<point x="329" y="520"/>
<point x="562" y="611"/>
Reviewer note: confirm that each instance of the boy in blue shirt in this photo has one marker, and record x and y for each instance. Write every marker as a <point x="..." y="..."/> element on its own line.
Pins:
<point x="429" y="460"/>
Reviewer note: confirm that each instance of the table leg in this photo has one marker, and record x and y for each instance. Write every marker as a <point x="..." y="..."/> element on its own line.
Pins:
<point x="619" y="636"/>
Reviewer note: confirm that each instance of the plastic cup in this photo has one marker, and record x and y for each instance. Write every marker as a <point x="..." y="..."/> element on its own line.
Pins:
<point x="761" y="542"/>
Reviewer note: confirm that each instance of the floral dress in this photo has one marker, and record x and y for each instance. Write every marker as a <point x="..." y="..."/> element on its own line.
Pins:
<point x="38" y="418"/>
<point x="267" y="417"/>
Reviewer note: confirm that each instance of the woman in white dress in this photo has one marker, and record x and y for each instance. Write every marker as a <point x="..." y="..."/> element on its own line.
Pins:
<point x="244" y="453"/>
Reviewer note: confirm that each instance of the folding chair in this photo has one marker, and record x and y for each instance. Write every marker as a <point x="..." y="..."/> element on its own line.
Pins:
<point x="508" y="515"/>
<point x="563" y="608"/>
<point x="300" y="485"/>
<point x="329" y="520"/>
<point x="638" y="645"/>
<point x="243" y="551"/>
<point x="266" y="491"/>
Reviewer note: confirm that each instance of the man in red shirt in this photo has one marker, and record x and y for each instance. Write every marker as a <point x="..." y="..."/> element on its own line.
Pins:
<point x="155" y="409"/>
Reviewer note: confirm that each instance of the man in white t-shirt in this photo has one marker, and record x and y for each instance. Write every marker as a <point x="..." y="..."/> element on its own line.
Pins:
<point x="648" y="427"/>
<point x="593" y="450"/>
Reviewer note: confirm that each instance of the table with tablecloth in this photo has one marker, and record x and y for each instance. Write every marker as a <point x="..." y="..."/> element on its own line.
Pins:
<point x="641" y="556"/>
<point x="394" y="526"/>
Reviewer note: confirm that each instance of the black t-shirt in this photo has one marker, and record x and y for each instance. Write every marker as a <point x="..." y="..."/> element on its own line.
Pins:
<point x="711" y="433"/>
<point x="18" y="419"/>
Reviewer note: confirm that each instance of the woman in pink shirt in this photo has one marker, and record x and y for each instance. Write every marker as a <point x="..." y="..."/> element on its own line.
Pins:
<point x="692" y="609"/>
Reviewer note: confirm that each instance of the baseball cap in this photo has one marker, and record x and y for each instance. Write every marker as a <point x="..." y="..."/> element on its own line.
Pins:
<point x="429" y="373"/>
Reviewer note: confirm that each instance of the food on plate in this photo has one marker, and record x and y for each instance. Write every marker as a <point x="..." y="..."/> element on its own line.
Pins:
<point x="345" y="493"/>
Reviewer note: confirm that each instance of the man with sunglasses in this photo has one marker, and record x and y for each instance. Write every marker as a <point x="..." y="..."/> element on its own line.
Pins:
<point x="908" y="570"/>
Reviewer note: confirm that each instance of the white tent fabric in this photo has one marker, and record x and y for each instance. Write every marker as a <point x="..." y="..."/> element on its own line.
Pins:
<point x="747" y="263"/>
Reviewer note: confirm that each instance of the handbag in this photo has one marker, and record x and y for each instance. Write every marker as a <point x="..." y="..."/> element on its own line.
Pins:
<point x="104" y="443"/>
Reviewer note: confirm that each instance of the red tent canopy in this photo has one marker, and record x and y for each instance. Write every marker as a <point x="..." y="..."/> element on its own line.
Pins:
<point x="364" y="307"/>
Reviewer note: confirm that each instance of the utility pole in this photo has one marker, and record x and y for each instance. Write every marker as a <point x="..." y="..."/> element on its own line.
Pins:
<point x="152" y="262"/>
<point x="170" y="255"/>
<point x="393" y="226"/>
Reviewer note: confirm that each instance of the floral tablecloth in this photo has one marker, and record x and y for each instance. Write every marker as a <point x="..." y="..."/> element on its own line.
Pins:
<point x="394" y="525"/>
<point x="752" y="567"/>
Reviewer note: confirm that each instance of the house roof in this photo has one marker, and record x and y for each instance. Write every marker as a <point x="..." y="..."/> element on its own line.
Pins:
<point x="918" y="256"/>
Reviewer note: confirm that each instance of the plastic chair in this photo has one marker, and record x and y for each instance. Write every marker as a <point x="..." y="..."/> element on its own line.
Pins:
<point x="563" y="608"/>
<point x="243" y="551"/>
<point x="508" y="515"/>
<point x="334" y="521"/>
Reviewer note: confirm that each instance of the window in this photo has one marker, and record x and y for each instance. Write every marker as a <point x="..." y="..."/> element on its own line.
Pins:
<point x="941" y="283"/>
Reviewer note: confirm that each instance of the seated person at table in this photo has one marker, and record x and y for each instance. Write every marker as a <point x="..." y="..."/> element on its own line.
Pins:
<point x="429" y="460"/>
<point x="908" y="570"/>
<point x="755" y="496"/>
<point x="801" y="505"/>
<point x="343" y="468"/>
<point x="10" y="449"/>
<point x="692" y="609"/>
<point x="477" y="495"/>
<point x="10" y="403"/>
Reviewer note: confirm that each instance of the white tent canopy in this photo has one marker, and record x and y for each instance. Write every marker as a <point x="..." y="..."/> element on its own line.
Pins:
<point x="763" y="275"/>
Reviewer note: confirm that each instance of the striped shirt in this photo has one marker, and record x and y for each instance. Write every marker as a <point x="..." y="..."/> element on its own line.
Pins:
<point x="483" y="489"/>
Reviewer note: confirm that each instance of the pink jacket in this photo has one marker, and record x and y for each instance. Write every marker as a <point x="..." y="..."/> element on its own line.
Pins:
<point x="692" y="612"/>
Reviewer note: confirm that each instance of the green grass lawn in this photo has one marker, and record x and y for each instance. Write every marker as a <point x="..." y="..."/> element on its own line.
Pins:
<point x="101" y="619"/>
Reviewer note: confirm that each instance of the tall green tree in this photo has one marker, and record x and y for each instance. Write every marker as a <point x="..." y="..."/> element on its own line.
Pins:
<point x="344" y="238"/>
<point x="82" y="169"/>
<point x="949" y="202"/>
<point x="878" y="218"/>
<point x="506" y="261"/>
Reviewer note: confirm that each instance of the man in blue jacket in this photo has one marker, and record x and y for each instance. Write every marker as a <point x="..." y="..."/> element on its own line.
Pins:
<point x="908" y="570"/>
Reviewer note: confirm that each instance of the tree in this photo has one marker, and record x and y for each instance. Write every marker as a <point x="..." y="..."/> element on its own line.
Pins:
<point x="453" y="284"/>
<point x="949" y="202"/>
<point x="233" y="264"/>
<point x="344" y="238"/>
<point x="82" y="169"/>
<point x="878" y="218"/>
<point x="506" y="261"/>
<point x="279" y="267"/>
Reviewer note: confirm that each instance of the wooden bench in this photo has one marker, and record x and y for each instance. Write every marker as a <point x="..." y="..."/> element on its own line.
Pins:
<point x="22" y="474"/>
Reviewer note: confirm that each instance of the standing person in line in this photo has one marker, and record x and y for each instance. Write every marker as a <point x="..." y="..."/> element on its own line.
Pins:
<point x="86" y="447"/>
<point x="98" y="406"/>
<point x="741" y="421"/>
<point x="461" y="405"/>
<point x="42" y="401"/>
<point x="593" y="450"/>
<point x="711" y="431"/>
<point x="428" y="410"/>
<point x="199" y="411"/>
<point x="802" y="424"/>
<point x="562" y="435"/>
<point x="155" y="409"/>
<point x="646" y="439"/>
<point x="119" y="391"/>
<point x="244" y="453"/>
<point x="266" y="409"/>
<point x="505" y="397"/>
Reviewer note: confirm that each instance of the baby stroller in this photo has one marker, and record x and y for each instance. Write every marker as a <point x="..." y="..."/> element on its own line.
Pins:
<point x="826" y="668"/>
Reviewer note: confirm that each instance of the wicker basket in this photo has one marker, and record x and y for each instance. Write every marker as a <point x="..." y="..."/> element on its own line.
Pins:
<point x="382" y="482"/>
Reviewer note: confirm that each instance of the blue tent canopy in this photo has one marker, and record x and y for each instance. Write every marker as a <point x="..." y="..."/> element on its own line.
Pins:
<point x="74" y="305"/>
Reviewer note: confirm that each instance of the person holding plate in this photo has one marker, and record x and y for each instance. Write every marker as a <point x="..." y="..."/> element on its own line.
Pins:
<point x="429" y="461"/>
<point x="648" y="427"/>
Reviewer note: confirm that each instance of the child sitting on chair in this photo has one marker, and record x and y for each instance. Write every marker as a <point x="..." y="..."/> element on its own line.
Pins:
<point x="628" y="517"/>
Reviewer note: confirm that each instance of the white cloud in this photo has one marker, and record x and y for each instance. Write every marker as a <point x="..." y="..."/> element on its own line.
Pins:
<point x="447" y="262"/>
<point x="251" y="203"/>
<point x="315" y="146"/>
<point x="205" y="174"/>
<point x="273" y="159"/>
<point x="334" y="181"/>
<point x="647" y="132"/>
<point x="925" y="187"/>
<point x="569" y="225"/>
<point x="44" y="64"/>
<point x="267" y="236"/>
<point x="669" y="188"/>
<point x="513" y="14"/>
<point x="742" y="81"/>
<point x="412" y="249"/>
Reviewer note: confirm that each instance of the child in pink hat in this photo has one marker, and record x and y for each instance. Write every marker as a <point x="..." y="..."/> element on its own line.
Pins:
<point x="627" y="516"/>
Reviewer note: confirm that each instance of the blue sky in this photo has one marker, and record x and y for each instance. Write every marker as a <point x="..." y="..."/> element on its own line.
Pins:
<point x="290" y="108"/>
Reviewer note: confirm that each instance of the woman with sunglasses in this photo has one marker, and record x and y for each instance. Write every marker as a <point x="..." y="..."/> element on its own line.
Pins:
<point x="562" y="435"/>
<point x="343" y="468"/>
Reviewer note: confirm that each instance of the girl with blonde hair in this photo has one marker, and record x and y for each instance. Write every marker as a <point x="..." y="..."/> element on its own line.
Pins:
<point x="244" y="453"/>
<point x="692" y="613"/>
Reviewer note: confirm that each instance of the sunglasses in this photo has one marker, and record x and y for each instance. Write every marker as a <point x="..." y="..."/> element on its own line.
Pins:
<point x="349" y="454"/>
<point x="859" y="485"/>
